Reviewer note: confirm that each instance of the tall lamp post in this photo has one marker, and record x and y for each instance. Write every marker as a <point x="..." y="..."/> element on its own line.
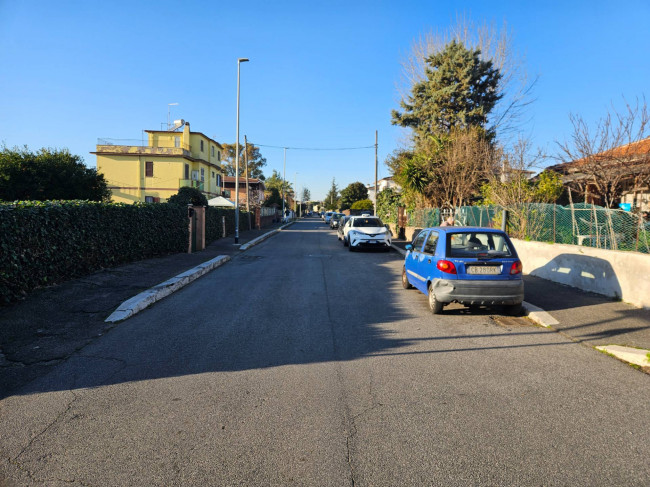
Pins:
<point x="239" y="61"/>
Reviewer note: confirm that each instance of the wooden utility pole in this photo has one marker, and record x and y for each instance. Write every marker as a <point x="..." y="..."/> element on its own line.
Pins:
<point x="248" y="193"/>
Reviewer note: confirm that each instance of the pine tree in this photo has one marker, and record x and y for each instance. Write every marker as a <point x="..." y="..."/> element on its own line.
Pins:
<point x="332" y="199"/>
<point x="460" y="91"/>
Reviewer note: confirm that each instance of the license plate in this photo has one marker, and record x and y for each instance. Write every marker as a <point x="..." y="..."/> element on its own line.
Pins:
<point x="483" y="270"/>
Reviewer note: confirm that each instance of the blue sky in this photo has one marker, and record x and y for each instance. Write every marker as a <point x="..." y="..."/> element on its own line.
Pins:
<point x="321" y="74"/>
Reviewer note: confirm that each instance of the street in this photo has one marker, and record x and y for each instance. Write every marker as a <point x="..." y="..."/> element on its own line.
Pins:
<point x="301" y="363"/>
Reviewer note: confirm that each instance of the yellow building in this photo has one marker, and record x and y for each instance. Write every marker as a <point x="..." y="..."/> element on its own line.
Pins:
<point x="170" y="160"/>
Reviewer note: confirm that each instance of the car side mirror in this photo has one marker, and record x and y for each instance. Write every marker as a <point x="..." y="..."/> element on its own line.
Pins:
<point x="409" y="247"/>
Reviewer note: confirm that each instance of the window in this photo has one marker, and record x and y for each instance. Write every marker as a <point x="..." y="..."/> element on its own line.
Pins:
<point x="187" y="171"/>
<point x="219" y="180"/>
<point x="419" y="240"/>
<point x="202" y="174"/>
<point x="201" y="146"/>
<point x="430" y="246"/>
<point x="177" y="141"/>
<point x="148" y="169"/>
<point x="148" y="199"/>
<point x="212" y="151"/>
<point x="218" y="155"/>
<point x="213" y="174"/>
<point x="469" y="244"/>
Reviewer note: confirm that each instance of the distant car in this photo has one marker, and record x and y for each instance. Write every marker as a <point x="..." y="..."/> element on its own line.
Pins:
<point x="467" y="265"/>
<point x="327" y="216"/>
<point x="366" y="232"/>
<point x="335" y="219"/>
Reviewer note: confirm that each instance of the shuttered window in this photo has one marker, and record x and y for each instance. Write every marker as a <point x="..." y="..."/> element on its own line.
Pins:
<point x="148" y="171"/>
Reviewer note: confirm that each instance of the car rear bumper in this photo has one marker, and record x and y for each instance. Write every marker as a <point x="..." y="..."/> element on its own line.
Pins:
<point x="479" y="292"/>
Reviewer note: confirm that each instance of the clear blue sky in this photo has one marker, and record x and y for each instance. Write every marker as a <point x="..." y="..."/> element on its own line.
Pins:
<point x="322" y="74"/>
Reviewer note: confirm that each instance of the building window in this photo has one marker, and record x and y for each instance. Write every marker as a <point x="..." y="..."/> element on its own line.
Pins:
<point x="202" y="174"/>
<point x="177" y="141"/>
<point x="187" y="171"/>
<point x="212" y="151"/>
<point x="218" y="155"/>
<point x="201" y="146"/>
<point x="213" y="174"/>
<point x="148" y="199"/>
<point x="148" y="169"/>
<point x="219" y="180"/>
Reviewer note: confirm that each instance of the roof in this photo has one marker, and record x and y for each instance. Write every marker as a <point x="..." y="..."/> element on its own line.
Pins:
<point x="640" y="149"/>
<point x="231" y="179"/>
<point x="191" y="133"/>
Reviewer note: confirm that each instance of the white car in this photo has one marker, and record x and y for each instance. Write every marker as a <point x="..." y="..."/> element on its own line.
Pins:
<point x="366" y="232"/>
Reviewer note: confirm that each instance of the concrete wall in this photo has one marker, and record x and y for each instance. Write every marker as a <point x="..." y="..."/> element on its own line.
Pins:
<point x="624" y="275"/>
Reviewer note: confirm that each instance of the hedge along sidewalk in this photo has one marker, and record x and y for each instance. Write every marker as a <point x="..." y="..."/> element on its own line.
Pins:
<point x="146" y="298"/>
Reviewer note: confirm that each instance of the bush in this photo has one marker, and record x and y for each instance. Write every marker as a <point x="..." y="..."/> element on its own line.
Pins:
<point x="43" y="243"/>
<point x="362" y="205"/>
<point x="188" y="196"/>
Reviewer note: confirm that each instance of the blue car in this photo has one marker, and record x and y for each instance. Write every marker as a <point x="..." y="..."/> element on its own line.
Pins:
<point x="468" y="265"/>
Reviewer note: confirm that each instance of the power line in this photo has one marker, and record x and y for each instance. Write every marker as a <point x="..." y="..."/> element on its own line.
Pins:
<point x="314" y="148"/>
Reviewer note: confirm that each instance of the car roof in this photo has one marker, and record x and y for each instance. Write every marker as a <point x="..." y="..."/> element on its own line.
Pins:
<point x="464" y="229"/>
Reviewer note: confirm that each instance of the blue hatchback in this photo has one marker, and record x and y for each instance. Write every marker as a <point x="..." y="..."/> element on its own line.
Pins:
<point x="468" y="265"/>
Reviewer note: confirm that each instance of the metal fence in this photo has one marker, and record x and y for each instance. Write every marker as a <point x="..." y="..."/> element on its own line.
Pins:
<point x="580" y="224"/>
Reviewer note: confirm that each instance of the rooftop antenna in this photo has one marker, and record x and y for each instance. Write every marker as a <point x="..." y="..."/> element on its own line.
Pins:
<point x="169" y="109"/>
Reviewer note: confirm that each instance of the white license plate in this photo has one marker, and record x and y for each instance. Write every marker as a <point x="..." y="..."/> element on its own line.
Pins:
<point x="490" y="270"/>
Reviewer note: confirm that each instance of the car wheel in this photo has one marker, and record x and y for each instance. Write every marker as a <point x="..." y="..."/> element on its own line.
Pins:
<point x="513" y="309"/>
<point x="405" y="282"/>
<point x="434" y="305"/>
<point x="351" y="248"/>
<point x="345" y="242"/>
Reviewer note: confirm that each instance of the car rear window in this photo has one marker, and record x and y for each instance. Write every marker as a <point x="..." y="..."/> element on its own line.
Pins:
<point x="471" y="244"/>
<point x="367" y="222"/>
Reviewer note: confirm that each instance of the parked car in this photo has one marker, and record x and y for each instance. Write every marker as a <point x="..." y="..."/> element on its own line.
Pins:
<point x="467" y="265"/>
<point x="366" y="232"/>
<point x="341" y="228"/>
<point x="327" y="216"/>
<point x="335" y="219"/>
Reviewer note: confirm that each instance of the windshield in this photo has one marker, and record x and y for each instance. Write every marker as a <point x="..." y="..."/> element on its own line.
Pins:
<point x="471" y="244"/>
<point x="367" y="222"/>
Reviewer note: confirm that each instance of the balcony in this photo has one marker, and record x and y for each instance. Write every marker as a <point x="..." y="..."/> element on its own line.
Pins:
<point x="136" y="147"/>
<point x="192" y="183"/>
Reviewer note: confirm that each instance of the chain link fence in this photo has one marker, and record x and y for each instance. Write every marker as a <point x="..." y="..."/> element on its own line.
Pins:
<point x="579" y="224"/>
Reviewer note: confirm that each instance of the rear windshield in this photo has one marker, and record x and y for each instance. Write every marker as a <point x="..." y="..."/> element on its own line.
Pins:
<point x="471" y="244"/>
<point x="367" y="222"/>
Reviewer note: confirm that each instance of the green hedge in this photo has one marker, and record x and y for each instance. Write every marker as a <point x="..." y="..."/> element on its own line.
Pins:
<point x="42" y="243"/>
<point x="214" y="224"/>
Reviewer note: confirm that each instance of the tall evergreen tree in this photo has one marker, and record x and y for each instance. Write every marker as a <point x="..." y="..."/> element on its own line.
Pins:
<point x="460" y="91"/>
<point x="331" y="201"/>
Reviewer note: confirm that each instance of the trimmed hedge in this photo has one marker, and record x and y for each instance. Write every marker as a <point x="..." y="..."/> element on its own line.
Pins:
<point x="42" y="243"/>
<point x="214" y="225"/>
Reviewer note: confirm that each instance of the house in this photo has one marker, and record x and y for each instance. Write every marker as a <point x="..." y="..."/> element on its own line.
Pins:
<point x="256" y="189"/>
<point x="623" y="171"/>
<point x="154" y="171"/>
<point x="382" y="184"/>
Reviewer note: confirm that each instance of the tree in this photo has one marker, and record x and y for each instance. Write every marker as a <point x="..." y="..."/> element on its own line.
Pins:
<point x="496" y="43"/>
<point x="363" y="205"/>
<point x="460" y="91"/>
<point x="332" y="198"/>
<point x="610" y="153"/>
<point x="306" y="194"/>
<point x="276" y="182"/>
<point x="388" y="201"/>
<point x="188" y="196"/>
<point x="273" y="198"/>
<point x="49" y="174"/>
<point x="353" y="193"/>
<point x="255" y="161"/>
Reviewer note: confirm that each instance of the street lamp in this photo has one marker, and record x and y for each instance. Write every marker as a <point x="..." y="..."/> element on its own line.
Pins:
<point x="239" y="61"/>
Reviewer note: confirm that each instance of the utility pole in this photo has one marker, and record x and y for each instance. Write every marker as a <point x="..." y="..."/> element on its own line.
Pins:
<point x="376" y="188"/>
<point x="248" y="193"/>
<point x="284" y="174"/>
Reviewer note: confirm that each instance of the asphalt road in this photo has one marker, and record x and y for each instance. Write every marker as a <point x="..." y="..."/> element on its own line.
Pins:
<point x="300" y="363"/>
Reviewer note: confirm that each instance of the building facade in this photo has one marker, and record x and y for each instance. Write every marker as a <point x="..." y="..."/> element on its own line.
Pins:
<point x="383" y="184"/>
<point x="170" y="160"/>
<point x="255" y="190"/>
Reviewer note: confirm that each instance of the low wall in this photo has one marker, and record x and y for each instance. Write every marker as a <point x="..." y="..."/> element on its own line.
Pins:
<point x="613" y="273"/>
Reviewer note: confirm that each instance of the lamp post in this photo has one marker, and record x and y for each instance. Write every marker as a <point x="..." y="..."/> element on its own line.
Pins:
<point x="239" y="61"/>
<point x="284" y="176"/>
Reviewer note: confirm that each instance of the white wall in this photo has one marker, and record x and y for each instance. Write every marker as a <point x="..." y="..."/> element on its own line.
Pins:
<point x="624" y="275"/>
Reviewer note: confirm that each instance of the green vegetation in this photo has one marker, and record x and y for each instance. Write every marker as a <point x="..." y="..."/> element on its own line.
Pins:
<point x="188" y="196"/>
<point x="48" y="174"/>
<point x="351" y="194"/>
<point x="363" y="205"/>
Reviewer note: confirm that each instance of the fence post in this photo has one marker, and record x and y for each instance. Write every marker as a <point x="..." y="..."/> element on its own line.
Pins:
<point x="554" y="232"/>
<point x="504" y="220"/>
<point x="223" y="223"/>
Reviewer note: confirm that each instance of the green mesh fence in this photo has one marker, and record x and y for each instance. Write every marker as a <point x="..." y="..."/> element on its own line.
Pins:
<point x="581" y="224"/>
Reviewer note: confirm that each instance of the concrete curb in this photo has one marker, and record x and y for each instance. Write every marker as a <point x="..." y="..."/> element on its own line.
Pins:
<point x="401" y="251"/>
<point x="634" y="356"/>
<point x="146" y="298"/>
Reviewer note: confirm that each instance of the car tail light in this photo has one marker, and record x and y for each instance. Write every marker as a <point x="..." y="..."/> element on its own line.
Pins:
<point x="516" y="267"/>
<point x="446" y="266"/>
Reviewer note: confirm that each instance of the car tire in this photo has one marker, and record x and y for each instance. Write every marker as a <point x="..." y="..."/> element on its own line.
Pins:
<point x="405" y="282"/>
<point x="351" y="248"/>
<point x="434" y="305"/>
<point x="513" y="309"/>
<point x="345" y="242"/>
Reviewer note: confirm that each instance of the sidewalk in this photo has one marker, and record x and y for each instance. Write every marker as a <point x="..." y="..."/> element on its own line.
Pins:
<point x="52" y="323"/>
<point x="587" y="318"/>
